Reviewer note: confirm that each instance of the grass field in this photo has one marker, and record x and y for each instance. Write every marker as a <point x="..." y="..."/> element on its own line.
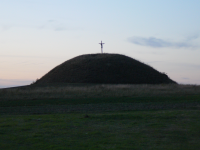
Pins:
<point x="163" y="129"/>
<point x="119" y="117"/>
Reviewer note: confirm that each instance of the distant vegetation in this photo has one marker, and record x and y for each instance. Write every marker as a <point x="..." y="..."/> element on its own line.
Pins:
<point x="97" y="91"/>
<point x="98" y="97"/>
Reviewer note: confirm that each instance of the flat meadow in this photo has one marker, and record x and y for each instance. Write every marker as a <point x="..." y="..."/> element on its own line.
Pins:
<point x="100" y="116"/>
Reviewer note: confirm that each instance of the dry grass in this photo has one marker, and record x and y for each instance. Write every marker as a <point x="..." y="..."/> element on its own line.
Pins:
<point x="98" y="91"/>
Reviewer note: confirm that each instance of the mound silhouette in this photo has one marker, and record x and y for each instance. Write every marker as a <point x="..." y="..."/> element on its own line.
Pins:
<point x="104" y="68"/>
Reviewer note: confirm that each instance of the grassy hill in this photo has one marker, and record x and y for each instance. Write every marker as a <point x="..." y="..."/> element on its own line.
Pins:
<point x="104" y="68"/>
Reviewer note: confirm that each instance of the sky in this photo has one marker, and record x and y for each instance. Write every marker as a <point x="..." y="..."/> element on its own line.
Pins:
<point x="38" y="35"/>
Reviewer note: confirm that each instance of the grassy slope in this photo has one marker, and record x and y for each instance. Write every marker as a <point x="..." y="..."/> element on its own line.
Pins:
<point x="104" y="68"/>
<point x="77" y="91"/>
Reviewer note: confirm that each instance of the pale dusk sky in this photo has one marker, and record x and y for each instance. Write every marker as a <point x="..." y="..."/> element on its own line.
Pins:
<point x="37" y="35"/>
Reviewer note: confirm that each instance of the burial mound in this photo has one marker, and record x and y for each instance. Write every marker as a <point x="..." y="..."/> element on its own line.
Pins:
<point x="104" y="69"/>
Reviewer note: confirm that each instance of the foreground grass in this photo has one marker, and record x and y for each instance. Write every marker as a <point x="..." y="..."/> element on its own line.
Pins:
<point x="163" y="129"/>
<point x="94" y="105"/>
<point x="78" y="101"/>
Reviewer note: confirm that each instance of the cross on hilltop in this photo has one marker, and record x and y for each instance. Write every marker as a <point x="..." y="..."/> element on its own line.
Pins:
<point x="101" y="46"/>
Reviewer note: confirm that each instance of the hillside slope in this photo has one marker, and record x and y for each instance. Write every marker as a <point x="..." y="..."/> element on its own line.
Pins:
<point x="104" y="68"/>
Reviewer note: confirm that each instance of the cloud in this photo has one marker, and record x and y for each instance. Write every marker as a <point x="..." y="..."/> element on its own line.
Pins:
<point x="21" y="56"/>
<point x="6" y="27"/>
<point x="160" y="43"/>
<point x="187" y="66"/>
<point x="59" y="28"/>
<point x="155" y="62"/>
<point x="51" y="20"/>
<point x="59" y="25"/>
<point x="193" y="37"/>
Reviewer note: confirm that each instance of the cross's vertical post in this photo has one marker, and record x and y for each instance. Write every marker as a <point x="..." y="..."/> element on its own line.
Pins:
<point x="101" y="46"/>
